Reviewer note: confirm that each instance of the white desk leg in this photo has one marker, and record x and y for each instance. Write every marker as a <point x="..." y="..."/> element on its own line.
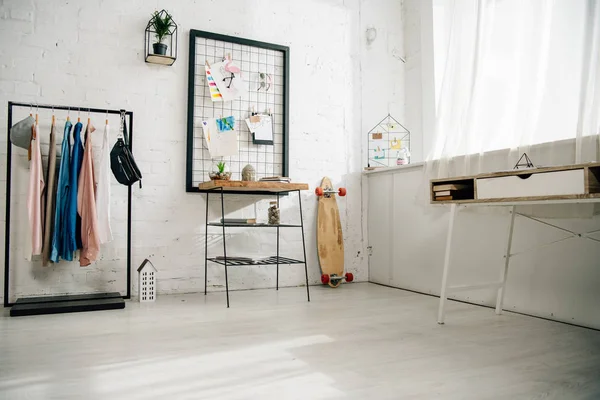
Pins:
<point x="504" y="275"/>
<point x="440" y="319"/>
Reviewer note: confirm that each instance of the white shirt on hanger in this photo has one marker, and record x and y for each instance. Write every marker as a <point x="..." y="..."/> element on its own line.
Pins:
<point x="103" y="190"/>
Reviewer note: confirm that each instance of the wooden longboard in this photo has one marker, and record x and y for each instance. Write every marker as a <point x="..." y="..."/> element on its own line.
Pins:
<point x="330" y="242"/>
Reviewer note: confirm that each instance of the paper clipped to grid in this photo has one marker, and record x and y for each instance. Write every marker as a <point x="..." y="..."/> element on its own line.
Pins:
<point x="231" y="86"/>
<point x="219" y="143"/>
<point x="261" y="127"/>
<point x="215" y="95"/>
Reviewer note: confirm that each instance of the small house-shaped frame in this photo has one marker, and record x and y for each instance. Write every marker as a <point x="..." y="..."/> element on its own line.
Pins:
<point x="388" y="144"/>
<point x="147" y="281"/>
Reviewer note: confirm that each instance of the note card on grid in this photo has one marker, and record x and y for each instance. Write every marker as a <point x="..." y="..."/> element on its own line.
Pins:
<point x="261" y="127"/>
<point x="231" y="85"/>
<point x="219" y="143"/>
<point x="215" y="95"/>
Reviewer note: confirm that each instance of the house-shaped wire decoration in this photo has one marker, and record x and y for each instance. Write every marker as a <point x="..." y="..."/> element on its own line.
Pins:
<point x="388" y="144"/>
<point x="147" y="281"/>
<point x="166" y="51"/>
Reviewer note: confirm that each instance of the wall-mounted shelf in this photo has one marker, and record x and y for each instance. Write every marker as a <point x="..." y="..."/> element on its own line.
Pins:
<point x="158" y="59"/>
<point x="166" y="52"/>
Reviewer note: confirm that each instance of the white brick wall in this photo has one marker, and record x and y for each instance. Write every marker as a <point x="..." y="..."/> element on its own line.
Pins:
<point x="91" y="53"/>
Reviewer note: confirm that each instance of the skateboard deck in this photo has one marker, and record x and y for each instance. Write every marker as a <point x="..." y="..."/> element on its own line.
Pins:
<point x="330" y="243"/>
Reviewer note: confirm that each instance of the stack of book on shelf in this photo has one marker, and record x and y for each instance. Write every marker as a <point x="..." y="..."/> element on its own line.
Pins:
<point x="448" y="192"/>
<point x="276" y="179"/>
<point x="239" y="221"/>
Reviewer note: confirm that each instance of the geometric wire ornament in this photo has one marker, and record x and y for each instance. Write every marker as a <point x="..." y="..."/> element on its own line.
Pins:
<point x="170" y="40"/>
<point x="388" y="144"/>
<point x="527" y="163"/>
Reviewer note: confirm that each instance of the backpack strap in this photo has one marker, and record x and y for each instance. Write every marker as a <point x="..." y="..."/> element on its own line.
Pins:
<point x="123" y="129"/>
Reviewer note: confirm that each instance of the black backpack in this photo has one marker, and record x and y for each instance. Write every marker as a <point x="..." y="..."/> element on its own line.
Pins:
<point x="122" y="162"/>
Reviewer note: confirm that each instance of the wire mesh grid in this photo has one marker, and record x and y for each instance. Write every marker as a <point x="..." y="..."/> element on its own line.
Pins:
<point x="385" y="141"/>
<point x="266" y="159"/>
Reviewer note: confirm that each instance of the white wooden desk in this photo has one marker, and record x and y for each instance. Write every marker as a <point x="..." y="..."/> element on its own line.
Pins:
<point x="581" y="184"/>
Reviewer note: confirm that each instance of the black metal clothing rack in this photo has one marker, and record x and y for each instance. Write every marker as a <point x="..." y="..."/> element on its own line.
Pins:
<point x="62" y="303"/>
<point x="273" y="260"/>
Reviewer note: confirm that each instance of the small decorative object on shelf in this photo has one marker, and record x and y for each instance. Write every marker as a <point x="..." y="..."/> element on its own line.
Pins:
<point x="147" y="281"/>
<point x="220" y="171"/>
<point x="524" y="161"/>
<point x="248" y="173"/>
<point x="402" y="156"/>
<point x="160" y="29"/>
<point x="273" y="213"/>
<point x="283" y="179"/>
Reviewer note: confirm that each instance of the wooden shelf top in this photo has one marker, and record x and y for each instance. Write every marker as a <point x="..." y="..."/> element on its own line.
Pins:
<point x="248" y="186"/>
<point x="160" y="59"/>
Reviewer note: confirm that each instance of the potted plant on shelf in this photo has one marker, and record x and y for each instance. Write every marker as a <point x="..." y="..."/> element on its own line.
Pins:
<point x="161" y="25"/>
<point x="220" y="172"/>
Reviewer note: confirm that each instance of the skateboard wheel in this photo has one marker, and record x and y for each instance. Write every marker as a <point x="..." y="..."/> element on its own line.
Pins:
<point x="319" y="191"/>
<point x="342" y="191"/>
<point x="349" y="277"/>
<point x="324" y="279"/>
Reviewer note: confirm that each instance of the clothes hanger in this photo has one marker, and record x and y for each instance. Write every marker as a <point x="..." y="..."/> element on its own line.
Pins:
<point x="121" y="126"/>
<point x="79" y="115"/>
<point x="89" y="113"/>
<point x="53" y="118"/>
<point x="69" y="113"/>
<point x="34" y="135"/>
<point x="106" y="120"/>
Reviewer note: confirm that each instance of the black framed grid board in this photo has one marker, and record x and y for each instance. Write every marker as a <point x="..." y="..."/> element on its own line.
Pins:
<point x="259" y="74"/>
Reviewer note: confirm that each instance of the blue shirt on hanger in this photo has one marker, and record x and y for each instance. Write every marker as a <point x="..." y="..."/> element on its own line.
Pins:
<point x="59" y="236"/>
<point x="74" y="234"/>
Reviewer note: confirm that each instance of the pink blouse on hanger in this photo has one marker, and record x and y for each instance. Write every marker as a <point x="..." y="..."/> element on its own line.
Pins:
<point x="35" y="196"/>
<point x="86" y="204"/>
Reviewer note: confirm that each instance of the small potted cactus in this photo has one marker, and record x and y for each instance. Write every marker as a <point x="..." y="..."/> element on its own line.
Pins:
<point x="220" y="171"/>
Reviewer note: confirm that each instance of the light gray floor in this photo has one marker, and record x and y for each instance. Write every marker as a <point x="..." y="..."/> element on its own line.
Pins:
<point x="360" y="341"/>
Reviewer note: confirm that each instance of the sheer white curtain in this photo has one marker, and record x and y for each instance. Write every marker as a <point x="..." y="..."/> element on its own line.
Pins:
<point x="511" y="75"/>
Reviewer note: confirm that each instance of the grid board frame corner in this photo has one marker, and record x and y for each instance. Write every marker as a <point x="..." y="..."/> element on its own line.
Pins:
<point x="268" y="160"/>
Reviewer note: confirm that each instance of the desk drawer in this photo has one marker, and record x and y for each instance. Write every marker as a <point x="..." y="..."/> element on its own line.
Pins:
<point x="556" y="183"/>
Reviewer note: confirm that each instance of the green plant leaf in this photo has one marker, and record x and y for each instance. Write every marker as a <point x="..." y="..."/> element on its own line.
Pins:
<point x="161" y="25"/>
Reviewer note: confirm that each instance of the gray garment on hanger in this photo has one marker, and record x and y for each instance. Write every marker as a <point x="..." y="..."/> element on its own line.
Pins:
<point x="50" y="199"/>
<point x="20" y="133"/>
